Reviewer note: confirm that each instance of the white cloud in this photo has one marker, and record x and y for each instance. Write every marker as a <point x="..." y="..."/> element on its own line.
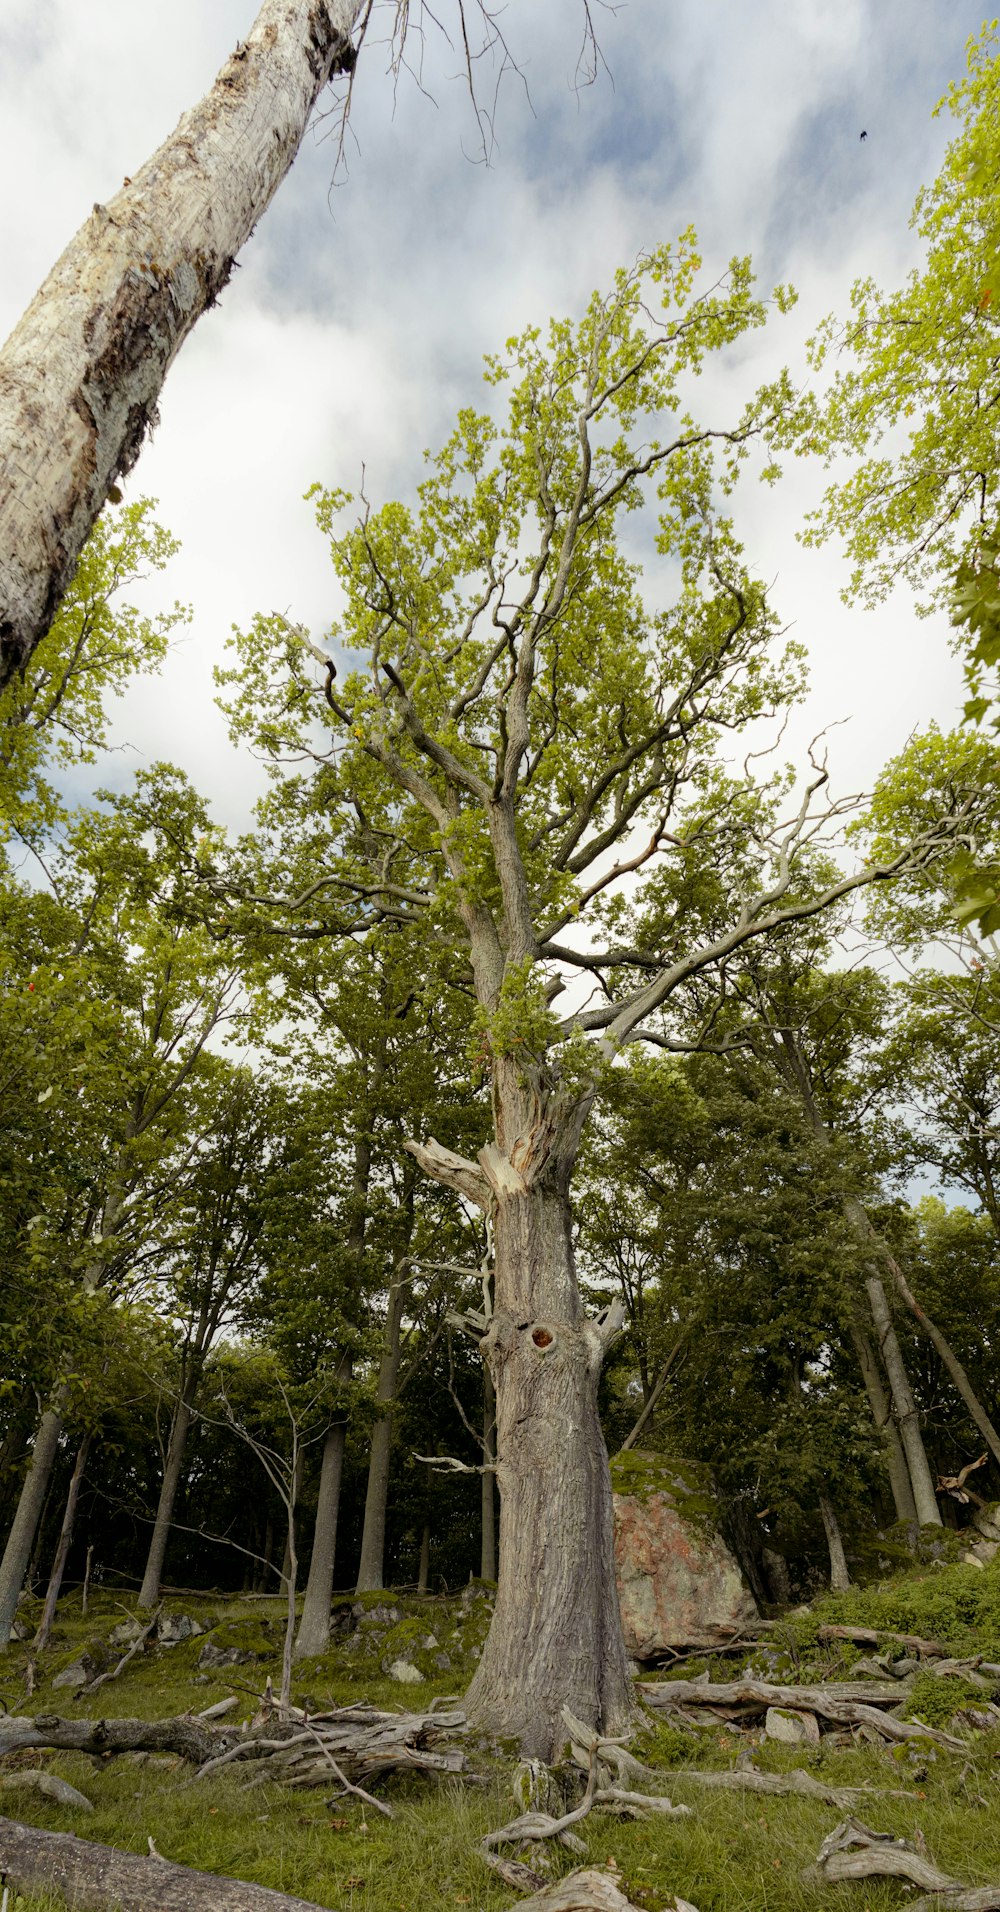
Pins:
<point x="358" y="320"/>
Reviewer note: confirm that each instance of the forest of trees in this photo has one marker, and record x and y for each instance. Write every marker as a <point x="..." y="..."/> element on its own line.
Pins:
<point x="528" y="1021"/>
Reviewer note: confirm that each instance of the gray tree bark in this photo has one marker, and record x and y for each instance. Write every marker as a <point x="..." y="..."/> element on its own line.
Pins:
<point x="87" y="1875"/>
<point x="840" y="1578"/>
<point x="556" y="1635"/>
<point x="173" y="1470"/>
<point x="370" y="1572"/>
<point x="488" y="1550"/>
<point x="21" y="1538"/>
<point x="895" y="1459"/>
<point x="81" y="374"/>
<point x="921" y="1480"/>
<point x="63" y="1545"/>
<point x="314" y="1627"/>
<point x="424" y="1566"/>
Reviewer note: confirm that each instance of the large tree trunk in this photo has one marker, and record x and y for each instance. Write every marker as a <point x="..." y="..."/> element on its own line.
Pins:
<point x="314" y="1626"/>
<point x="173" y="1469"/>
<point x="63" y="1545"/>
<point x="556" y="1636"/>
<point x="81" y="374"/>
<point x="21" y="1538"/>
<point x="921" y="1479"/>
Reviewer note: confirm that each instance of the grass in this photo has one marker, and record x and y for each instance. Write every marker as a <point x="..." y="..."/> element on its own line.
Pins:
<point x="734" y="1854"/>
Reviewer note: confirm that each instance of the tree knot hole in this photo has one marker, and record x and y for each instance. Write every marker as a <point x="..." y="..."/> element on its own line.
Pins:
<point x="542" y="1338"/>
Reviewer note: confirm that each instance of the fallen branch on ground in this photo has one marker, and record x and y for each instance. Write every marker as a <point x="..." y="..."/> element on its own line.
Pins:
<point x="589" y="1890"/>
<point x="854" y="1851"/>
<point x="363" y="1741"/>
<point x="92" y="1876"/>
<point x="101" y="1679"/>
<point x="874" y="1636"/>
<point x="846" y="1703"/>
<point x="30" y="1779"/>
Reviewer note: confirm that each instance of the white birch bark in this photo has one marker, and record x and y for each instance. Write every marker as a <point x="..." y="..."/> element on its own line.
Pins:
<point x="81" y="374"/>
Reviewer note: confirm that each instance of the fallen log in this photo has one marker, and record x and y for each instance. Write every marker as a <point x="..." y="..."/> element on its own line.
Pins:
<point x="874" y="1636"/>
<point x="92" y="1876"/>
<point x="862" y="1703"/>
<point x="364" y="1742"/>
<point x="758" y="1695"/>
<point x="853" y="1851"/>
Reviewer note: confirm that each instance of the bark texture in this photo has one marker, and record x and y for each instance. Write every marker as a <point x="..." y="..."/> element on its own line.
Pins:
<point x="921" y="1479"/>
<point x="21" y="1538"/>
<point x="840" y="1578"/>
<point x="370" y="1572"/>
<point x="81" y="374"/>
<point x="878" y="1400"/>
<point x="314" y="1627"/>
<point x="87" y="1875"/>
<point x="63" y="1545"/>
<point x="149" y="1592"/>
<point x="556" y="1637"/>
<point x="488" y="1547"/>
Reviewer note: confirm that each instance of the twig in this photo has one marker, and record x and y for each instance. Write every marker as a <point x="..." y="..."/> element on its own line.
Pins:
<point x="359" y="1791"/>
<point x="102" y="1678"/>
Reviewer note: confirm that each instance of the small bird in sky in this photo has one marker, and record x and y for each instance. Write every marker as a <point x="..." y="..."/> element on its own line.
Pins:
<point x="864" y="135"/>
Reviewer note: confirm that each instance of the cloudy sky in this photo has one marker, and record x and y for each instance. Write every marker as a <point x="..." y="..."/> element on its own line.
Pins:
<point x="358" y="321"/>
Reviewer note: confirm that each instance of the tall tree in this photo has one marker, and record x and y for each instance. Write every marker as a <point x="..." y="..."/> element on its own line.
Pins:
<point x="521" y="712"/>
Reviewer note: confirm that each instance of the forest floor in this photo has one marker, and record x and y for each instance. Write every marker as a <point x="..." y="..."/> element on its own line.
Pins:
<point x="732" y="1854"/>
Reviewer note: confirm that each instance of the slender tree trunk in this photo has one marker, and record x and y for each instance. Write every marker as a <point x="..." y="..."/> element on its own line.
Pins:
<point x="377" y="1495"/>
<point x="16" y="1442"/>
<point x="63" y="1545"/>
<point x="895" y="1459"/>
<point x="840" y="1578"/>
<point x="792" y="1066"/>
<point x="21" y="1538"/>
<point x="424" y="1567"/>
<point x="296" y="1491"/>
<point x="488" y="1550"/>
<point x="948" y="1356"/>
<point x="314" y="1626"/>
<point x="921" y="1480"/>
<point x="81" y="374"/>
<point x="173" y="1470"/>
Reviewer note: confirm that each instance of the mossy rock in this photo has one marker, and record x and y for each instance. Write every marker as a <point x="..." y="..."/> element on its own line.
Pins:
<point x="638" y="1473"/>
<point x="415" y="1641"/>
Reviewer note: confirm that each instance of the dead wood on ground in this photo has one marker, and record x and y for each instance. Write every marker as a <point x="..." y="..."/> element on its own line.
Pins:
<point x="92" y="1876"/>
<point x="853" y="1851"/>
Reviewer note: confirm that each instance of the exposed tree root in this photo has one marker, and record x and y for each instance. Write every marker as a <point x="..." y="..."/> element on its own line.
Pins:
<point x="748" y="1779"/>
<point x="28" y="1779"/>
<point x="854" y="1851"/>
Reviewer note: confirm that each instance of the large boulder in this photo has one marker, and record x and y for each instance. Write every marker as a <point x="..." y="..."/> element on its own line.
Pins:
<point x="678" y="1583"/>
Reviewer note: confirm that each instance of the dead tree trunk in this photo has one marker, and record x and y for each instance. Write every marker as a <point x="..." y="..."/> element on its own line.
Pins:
<point x="63" y="1545"/>
<point x="556" y="1637"/>
<point x="81" y="374"/>
<point x="86" y="1875"/>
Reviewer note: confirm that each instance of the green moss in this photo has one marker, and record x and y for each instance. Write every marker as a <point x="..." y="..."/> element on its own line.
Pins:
<point x="639" y="1473"/>
<point x="935" y="1700"/>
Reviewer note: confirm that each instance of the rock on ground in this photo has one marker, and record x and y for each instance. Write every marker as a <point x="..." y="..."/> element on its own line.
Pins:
<point x="677" y="1579"/>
